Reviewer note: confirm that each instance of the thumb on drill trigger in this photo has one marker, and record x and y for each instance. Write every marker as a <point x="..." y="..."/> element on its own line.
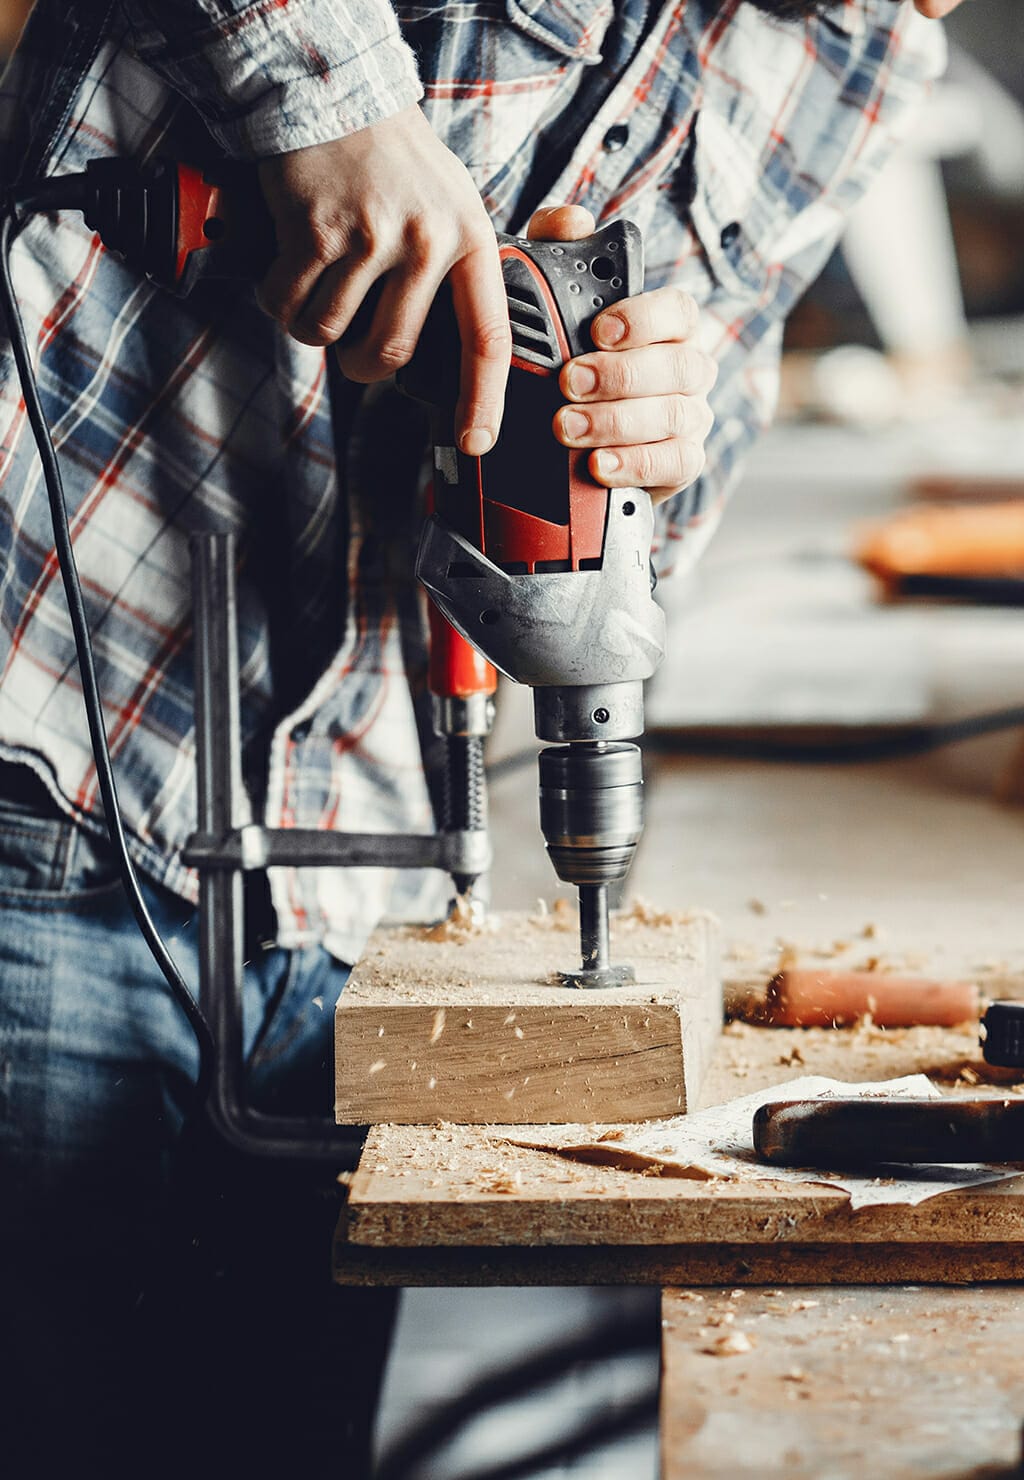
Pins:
<point x="560" y="224"/>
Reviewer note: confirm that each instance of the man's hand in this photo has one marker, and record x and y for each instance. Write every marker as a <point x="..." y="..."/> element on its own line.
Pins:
<point x="390" y="210"/>
<point x="641" y="401"/>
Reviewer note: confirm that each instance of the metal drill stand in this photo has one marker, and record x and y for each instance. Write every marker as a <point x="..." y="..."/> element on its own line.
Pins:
<point x="225" y="846"/>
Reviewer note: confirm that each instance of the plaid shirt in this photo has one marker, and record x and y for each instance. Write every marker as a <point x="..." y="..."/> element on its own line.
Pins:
<point x="736" y="142"/>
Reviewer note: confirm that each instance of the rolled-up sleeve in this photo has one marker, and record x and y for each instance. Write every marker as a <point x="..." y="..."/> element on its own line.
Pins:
<point x="277" y="75"/>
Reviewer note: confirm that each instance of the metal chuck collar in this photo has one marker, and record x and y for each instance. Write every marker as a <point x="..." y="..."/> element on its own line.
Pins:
<point x="591" y="815"/>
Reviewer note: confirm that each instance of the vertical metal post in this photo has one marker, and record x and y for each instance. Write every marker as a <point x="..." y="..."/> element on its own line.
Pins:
<point x="219" y="787"/>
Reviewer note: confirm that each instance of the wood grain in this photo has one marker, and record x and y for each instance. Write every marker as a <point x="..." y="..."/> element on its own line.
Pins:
<point x="473" y="1028"/>
<point x="841" y="1382"/>
<point x="443" y="1189"/>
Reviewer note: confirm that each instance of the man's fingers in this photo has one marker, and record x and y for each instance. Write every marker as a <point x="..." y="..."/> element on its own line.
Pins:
<point x="629" y="423"/>
<point x="561" y="224"/>
<point x="657" y="317"/>
<point x="384" y="331"/>
<point x="664" y="467"/>
<point x="286" y="287"/>
<point x="481" y="309"/>
<point x="334" y="302"/>
<point x="654" y="370"/>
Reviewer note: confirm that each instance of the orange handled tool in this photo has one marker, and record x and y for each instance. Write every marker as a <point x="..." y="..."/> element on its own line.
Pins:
<point x="946" y="550"/>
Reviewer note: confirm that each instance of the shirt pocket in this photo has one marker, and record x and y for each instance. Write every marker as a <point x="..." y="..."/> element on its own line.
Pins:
<point x="494" y="81"/>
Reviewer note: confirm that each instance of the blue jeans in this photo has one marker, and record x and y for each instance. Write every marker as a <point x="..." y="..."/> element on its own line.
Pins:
<point x="149" y="1287"/>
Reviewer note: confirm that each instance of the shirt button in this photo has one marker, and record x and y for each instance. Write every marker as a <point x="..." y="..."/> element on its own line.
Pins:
<point x="616" y="137"/>
<point x="301" y="731"/>
<point x="729" y="234"/>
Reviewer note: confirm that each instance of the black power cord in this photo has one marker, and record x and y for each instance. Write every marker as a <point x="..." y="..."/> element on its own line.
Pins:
<point x="10" y="225"/>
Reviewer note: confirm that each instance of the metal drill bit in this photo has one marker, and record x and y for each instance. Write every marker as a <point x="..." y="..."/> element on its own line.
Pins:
<point x="596" y="969"/>
<point x="594" y="926"/>
<point x="465" y="794"/>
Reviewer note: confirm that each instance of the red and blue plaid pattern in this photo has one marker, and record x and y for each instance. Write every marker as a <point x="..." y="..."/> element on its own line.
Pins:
<point x="737" y="143"/>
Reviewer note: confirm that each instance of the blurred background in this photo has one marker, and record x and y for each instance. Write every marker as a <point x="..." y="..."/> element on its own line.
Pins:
<point x="835" y="736"/>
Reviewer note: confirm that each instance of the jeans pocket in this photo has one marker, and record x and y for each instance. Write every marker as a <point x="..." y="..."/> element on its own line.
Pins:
<point x="45" y="857"/>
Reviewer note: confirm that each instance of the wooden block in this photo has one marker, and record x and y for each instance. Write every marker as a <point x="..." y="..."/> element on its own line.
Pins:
<point x="472" y="1027"/>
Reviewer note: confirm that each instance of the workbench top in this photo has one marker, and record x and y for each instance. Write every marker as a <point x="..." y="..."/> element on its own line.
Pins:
<point x="463" y="1203"/>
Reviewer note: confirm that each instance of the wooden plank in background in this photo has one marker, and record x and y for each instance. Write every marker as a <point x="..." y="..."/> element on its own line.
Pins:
<point x="473" y="1029"/>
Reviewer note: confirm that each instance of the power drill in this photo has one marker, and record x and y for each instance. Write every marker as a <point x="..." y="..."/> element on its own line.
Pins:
<point x="536" y="569"/>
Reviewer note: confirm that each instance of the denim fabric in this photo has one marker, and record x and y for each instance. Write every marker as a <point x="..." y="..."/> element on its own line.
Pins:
<point x="152" y="1286"/>
<point x="96" y="1059"/>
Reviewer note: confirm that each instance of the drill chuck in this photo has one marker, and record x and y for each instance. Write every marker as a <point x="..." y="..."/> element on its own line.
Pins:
<point x="591" y="809"/>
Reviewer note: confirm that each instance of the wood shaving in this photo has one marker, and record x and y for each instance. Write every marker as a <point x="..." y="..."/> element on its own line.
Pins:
<point x="437" y="1029"/>
<point x="504" y="1182"/>
<point x="733" y="1344"/>
<point x="466" y="920"/>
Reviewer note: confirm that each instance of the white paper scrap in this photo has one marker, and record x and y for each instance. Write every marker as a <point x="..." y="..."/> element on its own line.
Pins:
<point x="719" y="1143"/>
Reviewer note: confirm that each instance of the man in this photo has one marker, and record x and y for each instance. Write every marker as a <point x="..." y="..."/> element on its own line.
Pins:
<point x="391" y="141"/>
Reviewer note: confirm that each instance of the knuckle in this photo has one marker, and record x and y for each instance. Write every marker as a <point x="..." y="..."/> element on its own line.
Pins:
<point x="686" y="368"/>
<point x="490" y="339"/>
<point x="418" y="245"/>
<point x="323" y="241"/>
<point x="612" y="425"/>
<point x="392" y="353"/>
<point x="317" y="332"/>
<point x="624" y="378"/>
<point x="679" y="415"/>
<point x="644" y="469"/>
<point x="688" y="311"/>
<point x="691" y="464"/>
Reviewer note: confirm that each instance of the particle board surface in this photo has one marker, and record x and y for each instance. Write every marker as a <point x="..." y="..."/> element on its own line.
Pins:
<point x="470" y="1025"/>
<point x="804" y="1383"/>
<point x="430" y="1192"/>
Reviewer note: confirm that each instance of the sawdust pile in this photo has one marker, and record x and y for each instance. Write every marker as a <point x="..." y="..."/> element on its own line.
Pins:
<point x="467" y="920"/>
